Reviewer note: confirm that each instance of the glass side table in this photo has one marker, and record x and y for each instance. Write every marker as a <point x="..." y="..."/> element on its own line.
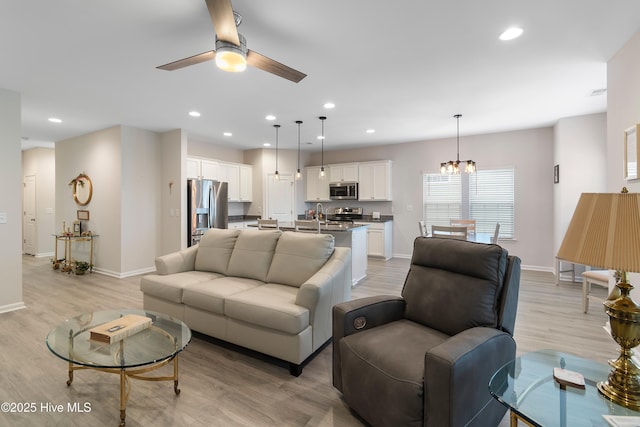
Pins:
<point x="526" y="386"/>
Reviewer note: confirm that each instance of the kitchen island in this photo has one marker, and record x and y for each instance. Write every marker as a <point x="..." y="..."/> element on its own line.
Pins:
<point x="346" y="235"/>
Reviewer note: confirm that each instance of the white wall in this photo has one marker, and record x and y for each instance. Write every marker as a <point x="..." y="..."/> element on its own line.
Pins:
<point x="623" y="105"/>
<point x="580" y="151"/>
<point x="140" y="200"/>
<point x="124" y="165"/>
<point x="530" y="152"/>
<point x="173" y="232"/>
<point x="10" y="202"/>
<point x="40" y="162"/>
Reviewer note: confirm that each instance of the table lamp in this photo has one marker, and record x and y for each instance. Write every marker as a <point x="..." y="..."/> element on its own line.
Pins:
<point x="605" y="233"/>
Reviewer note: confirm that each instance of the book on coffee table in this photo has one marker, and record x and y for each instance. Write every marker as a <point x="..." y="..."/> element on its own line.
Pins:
<point x="120" y="328"/>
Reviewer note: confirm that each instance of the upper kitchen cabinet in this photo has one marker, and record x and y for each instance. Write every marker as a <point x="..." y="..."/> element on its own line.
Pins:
<point x="202" y="168"/>
<point x="345" y="172"/>
<point x="246" y="183"/>
<point x="374" y="181"/>
<point x="317" y="189"/>
<point x="210" y="169"/>
<point x="193" y="168"/>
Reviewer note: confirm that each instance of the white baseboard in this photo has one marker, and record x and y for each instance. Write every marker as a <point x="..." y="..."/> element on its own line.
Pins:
<point x="12" y="307"/>
<point x="119" y="275"/>
<point x="45" y="254"/>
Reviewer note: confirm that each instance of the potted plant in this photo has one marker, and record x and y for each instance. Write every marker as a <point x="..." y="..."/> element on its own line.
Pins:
<point x="82" y="267"/>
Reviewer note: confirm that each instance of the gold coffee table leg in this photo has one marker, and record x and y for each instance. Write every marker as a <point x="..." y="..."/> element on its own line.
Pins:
<point x="175" y="375"/>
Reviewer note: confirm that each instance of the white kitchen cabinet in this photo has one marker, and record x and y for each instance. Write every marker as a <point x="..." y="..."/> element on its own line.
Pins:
<point x="246" y="183"/>
<point x="317" y="189"/>
<point x="209" y="169"/>
<point x="380" y="239"/>
<point x="230" y="173"/>
<point x="374" y="181"/>
<point x="344" y="172"/>
<point x="193" y="168"/>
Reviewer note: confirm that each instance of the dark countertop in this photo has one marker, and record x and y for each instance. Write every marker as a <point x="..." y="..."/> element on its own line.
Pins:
<point x="324" y="228"/>
<point x="241" y="218"/>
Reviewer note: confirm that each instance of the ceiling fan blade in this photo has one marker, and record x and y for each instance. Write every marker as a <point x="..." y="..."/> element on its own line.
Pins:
<point x="221" y="14"/>
<point x="272" y="66"/>
<point x="192" y="60"/>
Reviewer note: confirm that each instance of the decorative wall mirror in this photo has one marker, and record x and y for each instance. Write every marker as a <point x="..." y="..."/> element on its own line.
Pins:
<point x="82" y="189"/>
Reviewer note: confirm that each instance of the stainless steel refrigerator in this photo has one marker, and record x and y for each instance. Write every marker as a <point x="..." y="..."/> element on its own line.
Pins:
<point x="207" y="206"/>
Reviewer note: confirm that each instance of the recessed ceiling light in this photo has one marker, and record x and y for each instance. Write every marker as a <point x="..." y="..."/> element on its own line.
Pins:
<point x="371" y="131"/>
<point x="54" y="120"/>
<point x="511" y="33"/>
<point x="270" y="117"/>
<point x="267" y="144"/>
<point x="227" y="134"/>
<point x="329" y="105"/>
<point x="194" y="114"/>
<point x="320" y="137"/>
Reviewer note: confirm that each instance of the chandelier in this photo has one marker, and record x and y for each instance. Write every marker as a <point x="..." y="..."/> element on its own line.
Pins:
<point x="453" y="167"/>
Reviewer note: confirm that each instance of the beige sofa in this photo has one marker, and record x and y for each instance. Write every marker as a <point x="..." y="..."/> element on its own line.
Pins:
<point x="269" y="291"/>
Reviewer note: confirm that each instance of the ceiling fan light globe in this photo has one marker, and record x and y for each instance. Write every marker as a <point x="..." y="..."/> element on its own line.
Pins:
<point x="230" y="57"/>
<point x="230" y="61"/>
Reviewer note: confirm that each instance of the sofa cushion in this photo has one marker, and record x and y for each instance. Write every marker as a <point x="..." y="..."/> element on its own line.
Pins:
<point x="252" y="254"/>
<point x="210" y="295"/>
<point x="170" y="287"/>
<point x="371" y="361"/>
<point x="299" y="256"/>
<point x="468" y="275"/>
<point x="270" y="306"/>
<point x="214" y="250"/>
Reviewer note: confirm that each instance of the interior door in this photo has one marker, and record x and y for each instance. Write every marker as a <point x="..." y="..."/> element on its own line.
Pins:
<point x="29" y="215"/>
<point x="279" y="198"/>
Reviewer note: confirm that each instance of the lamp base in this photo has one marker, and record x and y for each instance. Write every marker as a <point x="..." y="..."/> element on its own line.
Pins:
<point x="623" y="383"/>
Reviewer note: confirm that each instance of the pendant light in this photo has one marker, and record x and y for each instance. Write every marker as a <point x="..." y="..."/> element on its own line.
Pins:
<point x="322" y="174"/>
<point x="453" y="167"/>
<point x="277" y="174"/>
<point x="298" y="173"/>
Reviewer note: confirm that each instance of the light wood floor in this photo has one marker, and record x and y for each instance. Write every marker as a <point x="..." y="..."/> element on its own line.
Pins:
<point x="221" y="387"/>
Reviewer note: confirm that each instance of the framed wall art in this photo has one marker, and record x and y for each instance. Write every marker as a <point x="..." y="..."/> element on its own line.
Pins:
<point x="631" y="152"/>
<point x="83" y="215"/>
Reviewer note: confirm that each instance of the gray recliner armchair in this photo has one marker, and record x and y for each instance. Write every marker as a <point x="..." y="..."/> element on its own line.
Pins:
<point x="425" y="358"/>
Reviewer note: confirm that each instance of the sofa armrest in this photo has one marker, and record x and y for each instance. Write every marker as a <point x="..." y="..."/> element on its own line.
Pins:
<point x="327" y="287"/>
<point x="177" y="262"/>
<point x="457" y="374"/>
<point x="358" y="315"/>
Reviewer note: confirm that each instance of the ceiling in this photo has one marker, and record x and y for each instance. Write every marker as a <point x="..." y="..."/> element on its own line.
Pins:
<point x="403" y="68"/>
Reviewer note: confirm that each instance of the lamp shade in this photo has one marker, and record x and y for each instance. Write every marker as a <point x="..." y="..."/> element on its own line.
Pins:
<point x="604" y="232"/>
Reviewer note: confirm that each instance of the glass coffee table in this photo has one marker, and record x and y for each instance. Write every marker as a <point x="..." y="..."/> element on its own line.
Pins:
<point x="135" y="355"/>
<point x="527" y="387"/>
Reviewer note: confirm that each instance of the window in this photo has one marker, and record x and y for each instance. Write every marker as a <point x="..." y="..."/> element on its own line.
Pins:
<point x="488" y="196"/>
<point x="442" y="198"/>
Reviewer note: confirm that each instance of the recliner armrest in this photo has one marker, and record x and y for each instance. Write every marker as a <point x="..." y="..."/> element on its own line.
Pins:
<point x="369" y="312"/>
<point x="457" y="374"/>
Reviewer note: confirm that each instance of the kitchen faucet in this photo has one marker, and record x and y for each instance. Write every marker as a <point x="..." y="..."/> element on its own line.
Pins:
<point x="319" y="211"/>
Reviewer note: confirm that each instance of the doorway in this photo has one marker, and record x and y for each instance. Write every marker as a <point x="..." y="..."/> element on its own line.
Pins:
<point x="279" y="200"/>
<point x="29" y="215"/>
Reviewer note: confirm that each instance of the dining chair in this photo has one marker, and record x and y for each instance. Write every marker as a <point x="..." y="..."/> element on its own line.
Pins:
<point x="469" y="223"/>
<point x="307" y="225"/>
<point x="496" y="233"/>
<point x="593" y="277"/>
<point x="423" y="228"/>
<point x="268" y="224"/>
<point x="459" y="233"/>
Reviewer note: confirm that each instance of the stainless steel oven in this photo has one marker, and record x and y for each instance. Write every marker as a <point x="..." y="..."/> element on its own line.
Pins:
<point x="343" y="191"/>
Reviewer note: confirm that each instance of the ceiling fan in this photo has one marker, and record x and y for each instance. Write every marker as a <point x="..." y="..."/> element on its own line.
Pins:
<point x="231" y="52"/>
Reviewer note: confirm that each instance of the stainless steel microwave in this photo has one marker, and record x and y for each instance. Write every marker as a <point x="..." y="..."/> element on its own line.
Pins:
<point x="343" y="191"/>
